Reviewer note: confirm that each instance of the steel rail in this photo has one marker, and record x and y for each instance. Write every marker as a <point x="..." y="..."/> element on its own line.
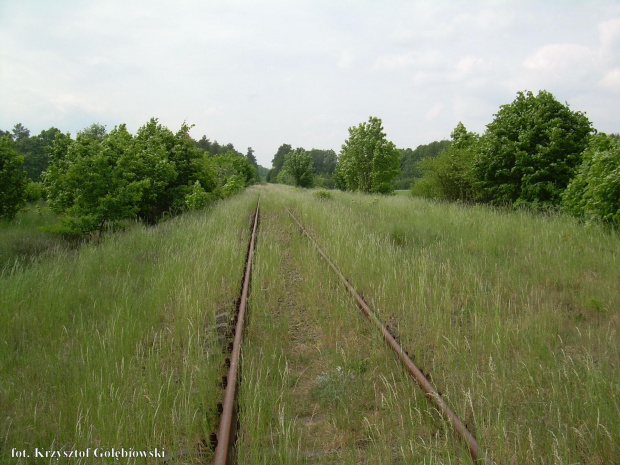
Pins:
<point x="477" y="454"/>
<point x="225" y="439"/>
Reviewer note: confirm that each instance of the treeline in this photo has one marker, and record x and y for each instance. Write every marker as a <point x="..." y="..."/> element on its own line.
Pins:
<point x="305" y="168"/>
<point x="536" y="153"/>
<point x="98" y="180"/>
<point x="368" y="162"/>
<point x="410" y="169"/>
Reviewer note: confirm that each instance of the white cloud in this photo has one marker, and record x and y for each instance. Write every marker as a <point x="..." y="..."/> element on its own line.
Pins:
<point x="559" y="58"/>
<point x="430" y="59"/>
<point x="612" y="79"/>
<point x="345" y="59"/>
<point x="435" y="111"/>
<point x="469" y="65"/>
<point x="263" y="73"/>
<point x="609" y="32"/>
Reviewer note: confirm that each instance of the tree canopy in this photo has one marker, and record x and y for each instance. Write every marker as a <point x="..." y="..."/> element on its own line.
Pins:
<point x="448" y="176"/>
<point x="368" y="161"/>
<point x="12" y="179"/>
<point x="100" y="179"/>
<point x="594" y="192"/>
<point x="299" y="166"/>
<point x="278" y="162"/>
<point x="529" y="152"/>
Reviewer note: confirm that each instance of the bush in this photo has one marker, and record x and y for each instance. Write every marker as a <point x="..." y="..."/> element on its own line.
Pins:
<point x="197" y="199"/>
<point x="322" y="195"/>
<point x="35" y="192"/>
<point x="449" y="175"/>
<point x="594" y="192"/>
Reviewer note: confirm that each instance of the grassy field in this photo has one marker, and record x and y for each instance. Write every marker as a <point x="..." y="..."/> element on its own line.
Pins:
<point x="22" y="242"/>
<point x="114" y="345"/>
<point x="514" y="315"/>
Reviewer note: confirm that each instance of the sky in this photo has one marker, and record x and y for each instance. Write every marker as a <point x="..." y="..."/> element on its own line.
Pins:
<point x="263" y="73"/>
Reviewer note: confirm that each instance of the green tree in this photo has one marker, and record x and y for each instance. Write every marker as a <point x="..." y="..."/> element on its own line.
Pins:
<point x="594" y="192"/>
<point x="91" y="181"/>
<point x="448" y="176"/>
<point x="299" y="166"/>
<point x="12" y="180"/>
<point x="99" y="180"/>
<point x="35" y="150"/>
<point x="324" y="161"/>
<point x="251" y="158"/>
<point x="411" y="170"/>
<point x="234" y="173"/>
<point x="20" y="132"/>
<point x="278" y="162"/>
<point x="368" y="161"/>
<point x="530" y="151"/>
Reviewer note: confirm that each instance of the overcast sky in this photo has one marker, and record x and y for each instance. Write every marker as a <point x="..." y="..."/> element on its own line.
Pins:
<point x="264" y="73"/>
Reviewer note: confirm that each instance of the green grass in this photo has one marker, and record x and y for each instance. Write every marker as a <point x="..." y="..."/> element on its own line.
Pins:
<point x="114" y="345"/>
<point x="22" y="242"/>
<point x="515" y="315"/>
<point x="318" y="384"/>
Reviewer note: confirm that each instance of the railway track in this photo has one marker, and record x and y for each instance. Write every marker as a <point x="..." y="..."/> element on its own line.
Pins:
<point x="223" y="441"/>
<point x="476" y="452"/>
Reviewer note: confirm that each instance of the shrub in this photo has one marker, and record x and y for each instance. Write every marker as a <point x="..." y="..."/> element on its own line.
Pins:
<point x="594" y="192"/>
<point x="322" y="195"/>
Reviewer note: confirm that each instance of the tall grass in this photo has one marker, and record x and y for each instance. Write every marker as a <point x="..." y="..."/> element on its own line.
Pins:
<point x="22" y="242"/>
<point x="114" y="345"/>
<point x="515" y="315"/>
<point x="318" y="384"/>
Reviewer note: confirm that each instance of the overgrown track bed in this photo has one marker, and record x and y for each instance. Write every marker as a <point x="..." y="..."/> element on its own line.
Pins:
<point x="318" y="385"/>
<point x="433" y="395"/>
<point x="515" y="315"/>
<point x="225" y="438"/>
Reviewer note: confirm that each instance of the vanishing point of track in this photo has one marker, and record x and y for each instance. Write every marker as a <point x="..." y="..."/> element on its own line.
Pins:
<point x="224" y="440"/>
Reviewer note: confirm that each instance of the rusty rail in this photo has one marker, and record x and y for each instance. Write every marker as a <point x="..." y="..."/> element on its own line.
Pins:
<point x="477" y="454"/>
<point x="228" y="419"/>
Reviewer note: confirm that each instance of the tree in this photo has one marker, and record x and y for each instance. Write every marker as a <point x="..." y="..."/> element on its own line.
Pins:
<point x="20" y="132"/>
<point x="448" y="176"/>
<point x="324" y="161"/>
<point x="92" y="182"/>
<point x="251" y="158"/>
<point x="368" y="161"/>
<point x="530" y="151"/>
<point x="278" y="162"/>
<point x="12" y="180"/>
<point x="299" y="166"/>
<point x="99" y="180"/>
<point x="411" y="170"/>
<point x="594" y="192"/>
<point x="35" y="150"/>
<point x="234" y="173"/>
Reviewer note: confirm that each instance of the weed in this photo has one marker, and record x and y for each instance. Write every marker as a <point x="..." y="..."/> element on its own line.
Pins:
<point x="322" y="195"/>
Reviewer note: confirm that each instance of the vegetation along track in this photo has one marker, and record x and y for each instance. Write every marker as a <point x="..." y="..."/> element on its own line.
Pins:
<point x="433" y="395"/>
<point x="225" y="438"/>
